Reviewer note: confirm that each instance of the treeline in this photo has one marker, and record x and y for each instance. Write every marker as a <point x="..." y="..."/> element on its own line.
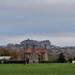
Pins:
<point x="14" y="54"/>
<point x="18" y="55"/>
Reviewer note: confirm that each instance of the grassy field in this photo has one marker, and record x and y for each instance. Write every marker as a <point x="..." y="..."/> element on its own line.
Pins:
<point x="37" y="69"/>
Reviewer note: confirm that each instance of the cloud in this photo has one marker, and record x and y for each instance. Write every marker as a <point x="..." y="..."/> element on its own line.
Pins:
<point x="38" y="18"/>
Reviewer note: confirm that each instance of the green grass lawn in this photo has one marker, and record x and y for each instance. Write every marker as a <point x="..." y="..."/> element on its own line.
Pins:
<point x="37" y="69"/>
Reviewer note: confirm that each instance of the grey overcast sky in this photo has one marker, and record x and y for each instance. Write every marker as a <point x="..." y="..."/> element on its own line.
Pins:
<point x="52" y="20"/>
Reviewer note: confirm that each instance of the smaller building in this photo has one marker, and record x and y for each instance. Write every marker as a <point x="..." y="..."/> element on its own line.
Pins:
<point x="73" y="61"/>
<point x="4" y="58"/>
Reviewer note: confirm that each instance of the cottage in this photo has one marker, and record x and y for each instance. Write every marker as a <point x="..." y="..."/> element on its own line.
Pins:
<point x="33" y="55"/>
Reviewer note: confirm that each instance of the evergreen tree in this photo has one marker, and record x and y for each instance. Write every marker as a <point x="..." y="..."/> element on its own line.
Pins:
<point x="61" y="58"/>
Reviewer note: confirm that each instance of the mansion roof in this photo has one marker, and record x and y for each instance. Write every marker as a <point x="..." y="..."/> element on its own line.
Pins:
<point x="38" y="50"/>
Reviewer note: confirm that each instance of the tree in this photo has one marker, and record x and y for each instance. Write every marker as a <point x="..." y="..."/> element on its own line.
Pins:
<point x="13" y="54"/>
<point x="2" y="52"/>
<point x="69" y="60"/>
<point x="40" y="58"/>
<point x="20" y="55"/>
<point x="61" y="58"/>
<point x="7" y="52"/>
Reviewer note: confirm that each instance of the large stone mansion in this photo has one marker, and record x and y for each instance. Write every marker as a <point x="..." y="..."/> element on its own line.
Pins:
<point x="33" y="55"/>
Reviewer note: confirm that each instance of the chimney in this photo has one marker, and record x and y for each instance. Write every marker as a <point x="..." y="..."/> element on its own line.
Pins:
<point x="45" y="46"/>
<point x="46" y="53"/>
<point x="26" y="46"/>
<point x="33" y="47"/>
